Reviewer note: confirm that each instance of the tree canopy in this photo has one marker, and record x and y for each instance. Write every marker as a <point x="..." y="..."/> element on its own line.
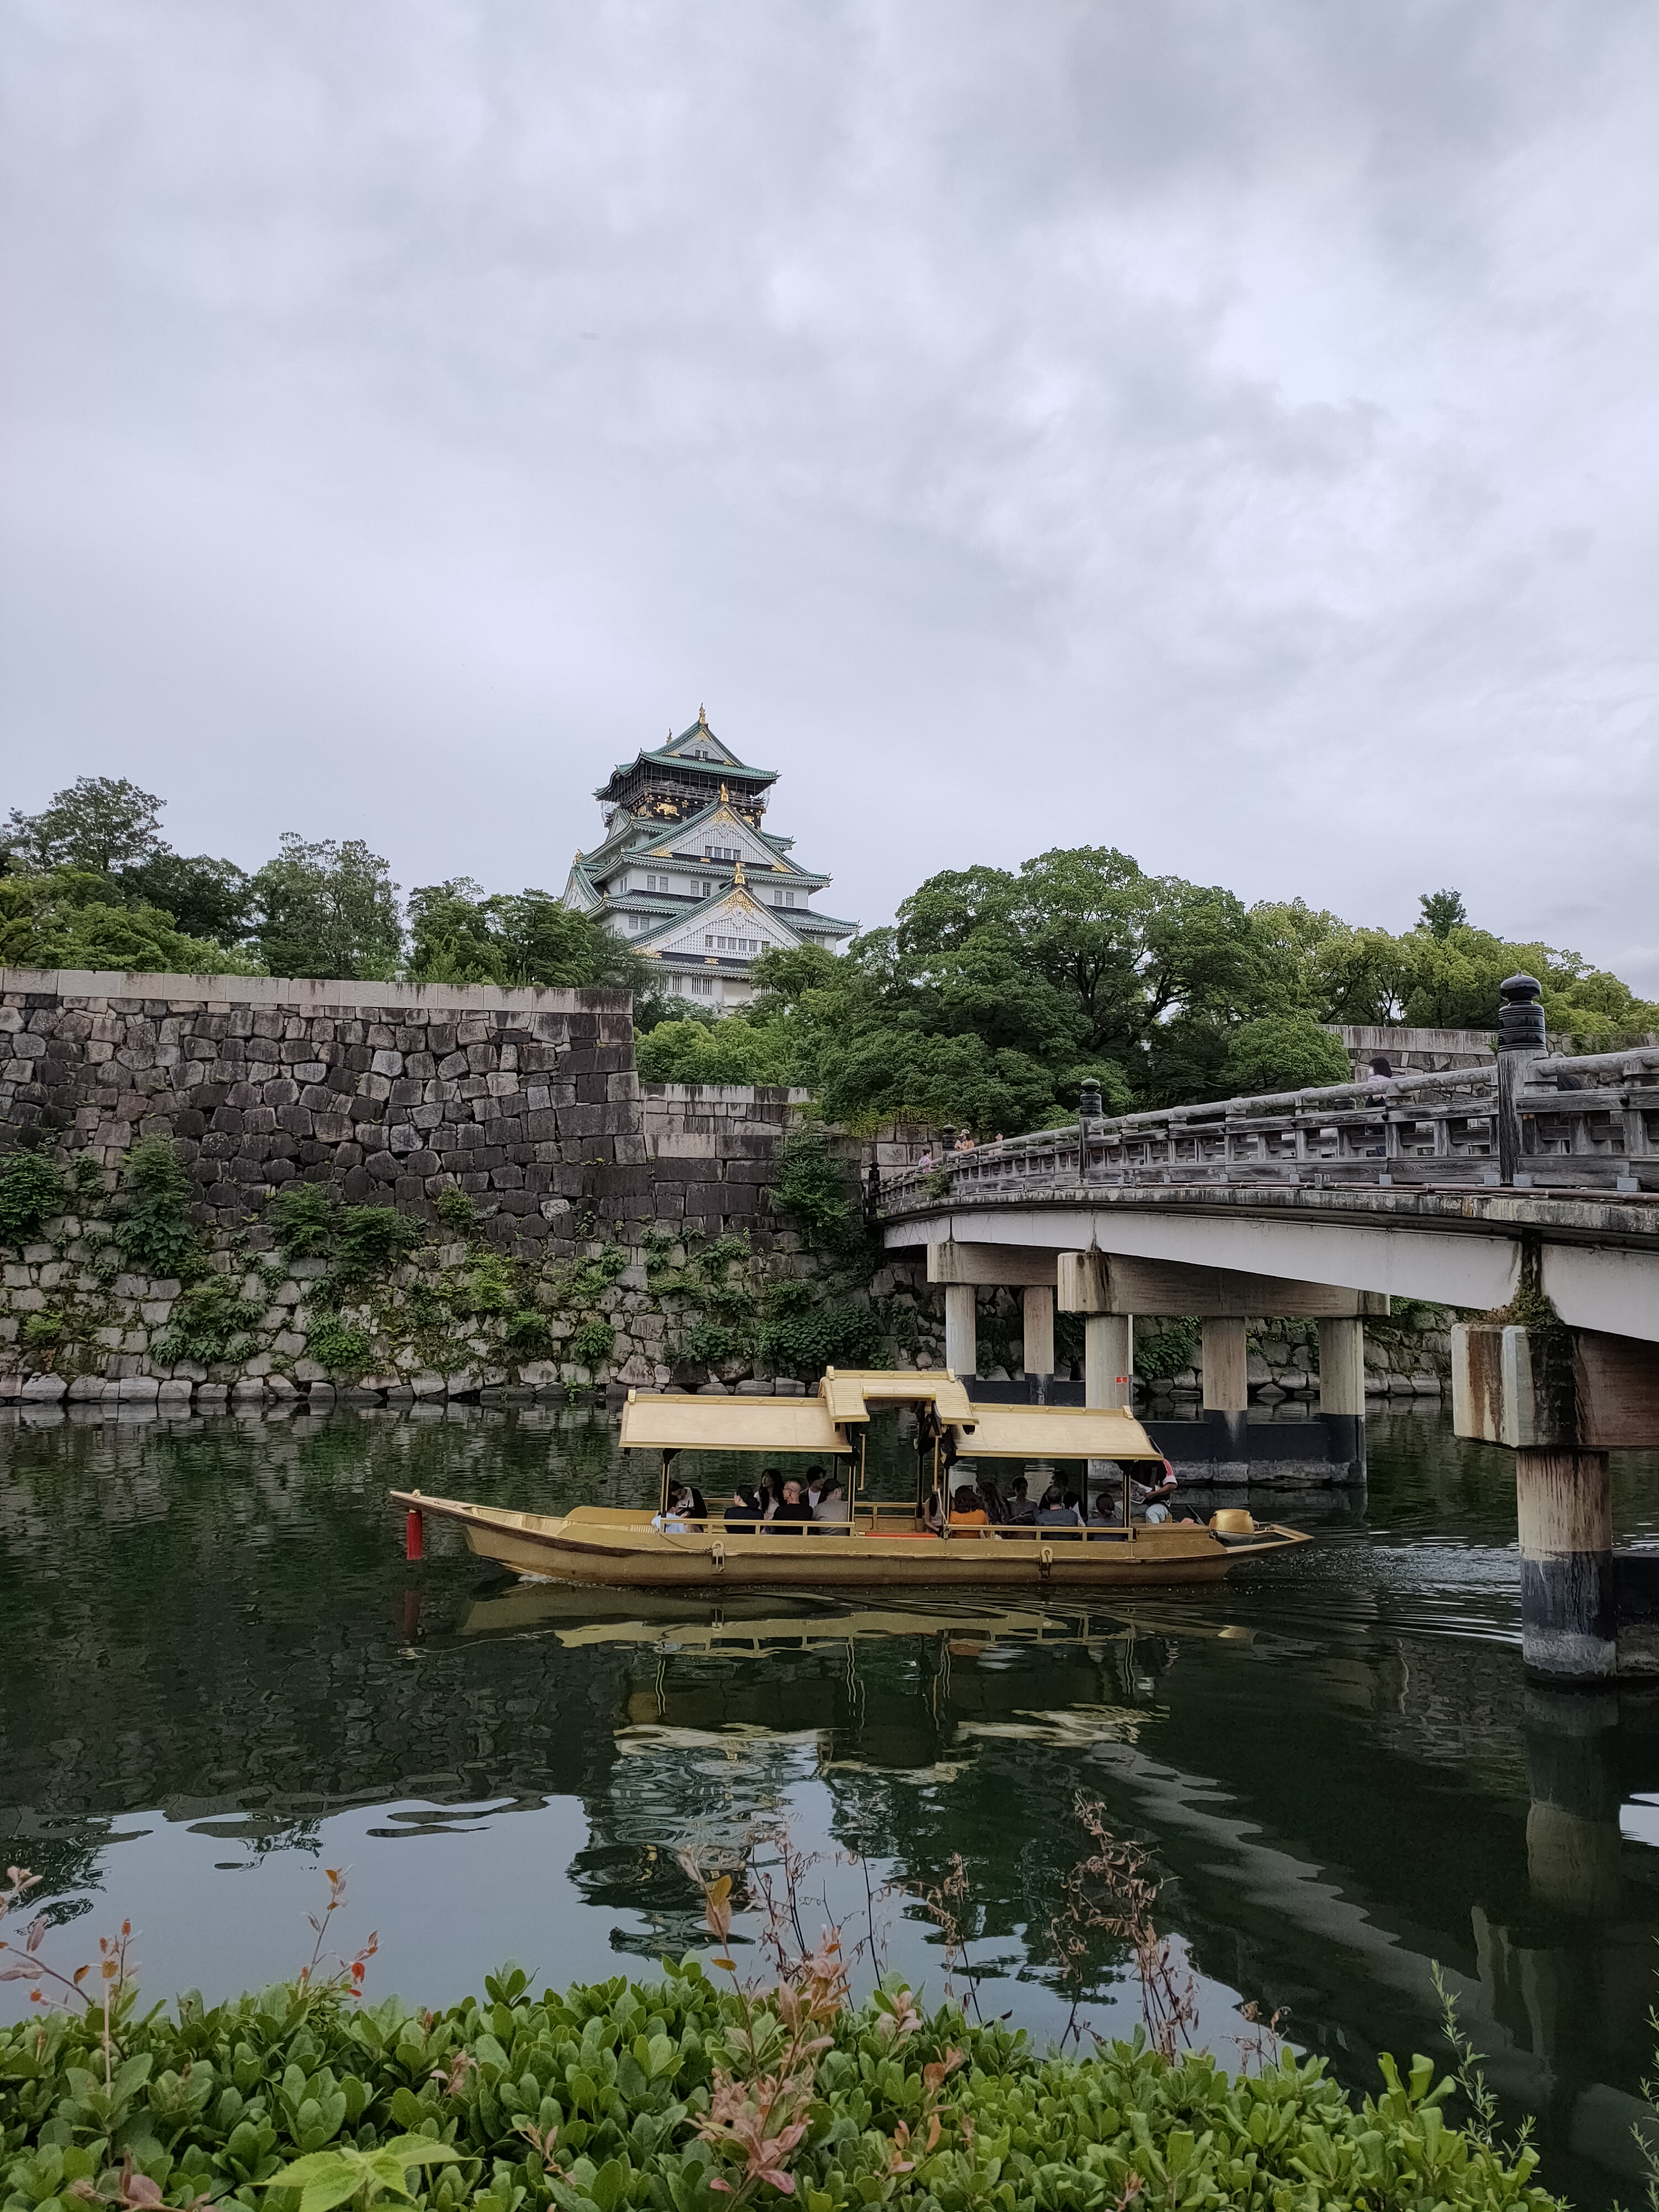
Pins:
<point x="997" y="993"/>
<point x="72" y="919"/>
<point x="98" y="824"/>
<point x="458" y="935"/>
<point x="328" y="908"/>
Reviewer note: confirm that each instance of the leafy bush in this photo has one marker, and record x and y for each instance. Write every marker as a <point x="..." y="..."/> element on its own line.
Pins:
<point x="709" y="1343"/>
<point x="342" y="1351"/>
<point x="592" y="1342"/>
<point x="1158" y="1357"/>
<point x="372" y="1238"/>
<point x="594" y="1274"/>
<point x="799" y="1335"/>
<point x="156" y="1237"/>
<point x="525" y="1335"/>
<point x="209" y="1320"/>
<point x="32" y="1189"/>
<point x="817" y="1194"/>
<point x="610" y="2098"/>
<point x="456" y="1210"/>
<point x="44" y="1332"/>
<point x="304" y="1219"/>
<point x="490" y="1286"/>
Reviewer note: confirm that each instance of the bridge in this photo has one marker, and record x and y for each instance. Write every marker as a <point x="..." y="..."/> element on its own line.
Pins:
<point x="1528" y="1189"/>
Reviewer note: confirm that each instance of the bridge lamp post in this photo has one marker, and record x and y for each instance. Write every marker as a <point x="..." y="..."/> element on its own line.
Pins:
<point x="1519" y="1040"/>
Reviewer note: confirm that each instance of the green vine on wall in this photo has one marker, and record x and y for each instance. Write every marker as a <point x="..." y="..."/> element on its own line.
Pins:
<point x="1157" y="1358"/>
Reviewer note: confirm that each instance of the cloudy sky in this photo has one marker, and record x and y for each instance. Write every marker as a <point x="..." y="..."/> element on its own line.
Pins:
<point x="1221" y="428"/>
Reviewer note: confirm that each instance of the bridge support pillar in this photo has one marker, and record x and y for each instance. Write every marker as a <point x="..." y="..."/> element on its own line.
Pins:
<point x="1342" y="1390"/>
<point x="1565" y="1506"/>
<point x="1227" y="1390"/>
<point x="1037" y="1301"/>
<point x="1109" y="1359"/>
<point x="961" y="1332"/>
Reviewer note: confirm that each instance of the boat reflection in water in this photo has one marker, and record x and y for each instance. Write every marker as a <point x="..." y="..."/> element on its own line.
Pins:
<point x="1332" y="1898"/>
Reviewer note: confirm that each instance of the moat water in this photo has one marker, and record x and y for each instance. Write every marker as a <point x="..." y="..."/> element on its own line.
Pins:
<point x="219" y="1674"/>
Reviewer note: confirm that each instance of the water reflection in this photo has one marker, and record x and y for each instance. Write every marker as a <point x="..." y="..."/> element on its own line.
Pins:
<point x="218" y="1668"/>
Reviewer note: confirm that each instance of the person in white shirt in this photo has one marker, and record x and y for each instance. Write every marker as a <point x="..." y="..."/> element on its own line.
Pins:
<point x="832" y="1504"/>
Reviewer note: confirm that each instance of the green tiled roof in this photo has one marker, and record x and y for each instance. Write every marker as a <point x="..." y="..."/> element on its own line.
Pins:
<point x="678" y="753"/>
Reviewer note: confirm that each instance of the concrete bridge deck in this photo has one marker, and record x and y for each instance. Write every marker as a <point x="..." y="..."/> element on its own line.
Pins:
<point x="1401" y="1188"/>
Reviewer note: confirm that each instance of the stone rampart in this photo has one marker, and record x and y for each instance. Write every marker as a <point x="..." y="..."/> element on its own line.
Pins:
<point x="526" y="1100"/>
<point x="635" y="1224"/>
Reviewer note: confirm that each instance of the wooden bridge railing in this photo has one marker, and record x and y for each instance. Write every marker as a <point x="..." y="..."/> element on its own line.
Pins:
<point x="1583" y="1124"/>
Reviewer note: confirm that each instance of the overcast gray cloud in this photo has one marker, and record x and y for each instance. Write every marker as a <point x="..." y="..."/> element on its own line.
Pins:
<point x="1226" y="431"/>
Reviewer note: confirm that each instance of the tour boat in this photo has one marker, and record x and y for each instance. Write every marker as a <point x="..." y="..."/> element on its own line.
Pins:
<point x="879" y="1545"/>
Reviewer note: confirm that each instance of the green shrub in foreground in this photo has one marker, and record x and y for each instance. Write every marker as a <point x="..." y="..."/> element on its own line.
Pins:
<point x="591" y="2101"/>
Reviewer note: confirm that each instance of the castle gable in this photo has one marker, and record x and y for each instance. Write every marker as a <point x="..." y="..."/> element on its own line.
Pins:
<point x="717" y="833"/>
<point x="729" y="926"/>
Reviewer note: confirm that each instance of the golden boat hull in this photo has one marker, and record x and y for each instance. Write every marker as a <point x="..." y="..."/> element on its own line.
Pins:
<point x="613" y="1547"/>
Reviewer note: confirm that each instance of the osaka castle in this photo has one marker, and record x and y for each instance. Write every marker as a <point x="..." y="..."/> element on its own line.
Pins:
<point x="688" y="875"/>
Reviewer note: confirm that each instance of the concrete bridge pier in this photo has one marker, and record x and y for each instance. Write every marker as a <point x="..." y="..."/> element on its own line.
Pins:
<point x="1109" y="1359"/>
<point x="1038" y="1308"/>
<point x="1562" y="1399"/>
<point x="961" y="1330"/>
<point x="1563" y="1504"/>
<point x="1227" y="1395"/>
<point x="1342" y="1389"/>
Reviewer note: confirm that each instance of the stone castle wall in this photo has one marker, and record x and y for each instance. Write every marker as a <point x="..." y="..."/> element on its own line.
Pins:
<point x="527" y="1100"/>
<point x="599" y="1194"/>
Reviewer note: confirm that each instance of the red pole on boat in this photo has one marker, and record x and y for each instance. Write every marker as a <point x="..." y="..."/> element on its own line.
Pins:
<point x="414" y="1534"/>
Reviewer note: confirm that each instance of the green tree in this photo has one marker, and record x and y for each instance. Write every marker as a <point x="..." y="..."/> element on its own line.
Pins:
<point x="206" y="897"/>
<point x="997" y="991"/>
<point x="328" y="909"/>
<point x="1442" y="912"/>
<point x="458" y="935"/>
<point x="729" y="1051"/>
<point x="1282" y="1052"/>
<point x="100" y="822"/>
<point x="73" y="918"/>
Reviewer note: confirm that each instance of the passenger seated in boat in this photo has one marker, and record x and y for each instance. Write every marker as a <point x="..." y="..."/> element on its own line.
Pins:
<point x="1057" y="1511"/>
<point x="792" y="1509"/>
<point x="967" y="1509"/>
<point x="771" y="1492"/>
<point x="1022" y="1514"/>
<point x="693" y="1502"/>
<point x="746" y="1510"/>
<point x="832" y="1504"/>
<point x="674" y="1521"/>
<point x="814" y="1481"/>
<point x="995" y="1505"/>
<point x="1148" y="1501"/>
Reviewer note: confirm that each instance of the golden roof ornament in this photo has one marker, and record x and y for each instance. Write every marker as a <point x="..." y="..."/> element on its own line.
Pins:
<point x="737" y="875"/>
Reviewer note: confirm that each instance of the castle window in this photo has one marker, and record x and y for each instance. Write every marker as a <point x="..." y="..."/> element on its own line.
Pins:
<point x="714" y="943"/>
<point x="721" y="852"/>
<point x="783" y="898"/>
